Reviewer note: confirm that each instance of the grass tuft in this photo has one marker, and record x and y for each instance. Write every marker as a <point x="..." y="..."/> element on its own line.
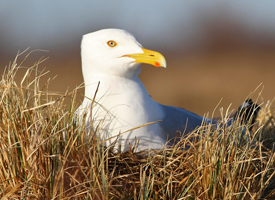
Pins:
<point x="45" y="155"/>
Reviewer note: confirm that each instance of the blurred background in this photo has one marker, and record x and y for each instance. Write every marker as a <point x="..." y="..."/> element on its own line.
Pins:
<point x="214" y="50"/>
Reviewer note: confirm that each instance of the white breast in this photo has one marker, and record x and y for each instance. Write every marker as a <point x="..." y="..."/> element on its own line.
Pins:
<point x="122" y="107"/>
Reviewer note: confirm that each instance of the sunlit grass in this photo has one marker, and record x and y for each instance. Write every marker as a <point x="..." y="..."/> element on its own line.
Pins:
<point x="45" y="154"/>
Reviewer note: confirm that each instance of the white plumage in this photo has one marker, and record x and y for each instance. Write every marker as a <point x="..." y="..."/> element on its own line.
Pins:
<point x="112" y="57"/>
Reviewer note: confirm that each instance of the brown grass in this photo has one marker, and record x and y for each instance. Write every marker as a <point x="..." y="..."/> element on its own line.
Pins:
<point x="44" y="154"/>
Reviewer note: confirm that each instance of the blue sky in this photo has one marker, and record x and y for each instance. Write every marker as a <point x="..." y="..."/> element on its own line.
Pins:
<point x="41" y="24"/>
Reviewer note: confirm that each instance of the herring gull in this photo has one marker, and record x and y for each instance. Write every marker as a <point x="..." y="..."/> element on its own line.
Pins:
<point x="111" y="62"/>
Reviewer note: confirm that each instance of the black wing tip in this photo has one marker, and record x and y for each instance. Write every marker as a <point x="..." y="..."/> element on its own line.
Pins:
<point x="248" y="112"/>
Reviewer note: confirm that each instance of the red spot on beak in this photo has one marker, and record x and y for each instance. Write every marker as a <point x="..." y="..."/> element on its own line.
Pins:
<point x="157" y="64"/>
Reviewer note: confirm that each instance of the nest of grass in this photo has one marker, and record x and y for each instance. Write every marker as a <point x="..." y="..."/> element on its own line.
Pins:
<point x="44" y="154"/>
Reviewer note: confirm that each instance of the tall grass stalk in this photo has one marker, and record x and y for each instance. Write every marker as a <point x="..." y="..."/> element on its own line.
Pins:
<point x="45" y="153"/>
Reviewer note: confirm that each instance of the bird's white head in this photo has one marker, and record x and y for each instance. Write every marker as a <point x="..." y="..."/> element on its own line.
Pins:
<point x="115" y="52"/>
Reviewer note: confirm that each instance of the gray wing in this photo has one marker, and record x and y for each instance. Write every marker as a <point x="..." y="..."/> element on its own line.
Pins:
<point x="177" y="119"/>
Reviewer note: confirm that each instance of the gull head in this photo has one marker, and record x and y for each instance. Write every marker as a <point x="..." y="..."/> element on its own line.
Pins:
<point x="115" y="52"/>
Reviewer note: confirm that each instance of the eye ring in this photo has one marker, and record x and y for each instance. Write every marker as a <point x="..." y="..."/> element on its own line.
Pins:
<point x="111" y="43"/>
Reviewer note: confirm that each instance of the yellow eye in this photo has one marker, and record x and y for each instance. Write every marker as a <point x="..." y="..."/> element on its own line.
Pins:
<point x="111" y="43"/>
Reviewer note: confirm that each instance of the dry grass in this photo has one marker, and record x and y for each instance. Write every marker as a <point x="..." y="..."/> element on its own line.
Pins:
<point x="44" y="154"/>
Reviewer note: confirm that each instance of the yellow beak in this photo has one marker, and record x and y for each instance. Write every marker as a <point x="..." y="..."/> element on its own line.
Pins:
<point x="149" y="57"/>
